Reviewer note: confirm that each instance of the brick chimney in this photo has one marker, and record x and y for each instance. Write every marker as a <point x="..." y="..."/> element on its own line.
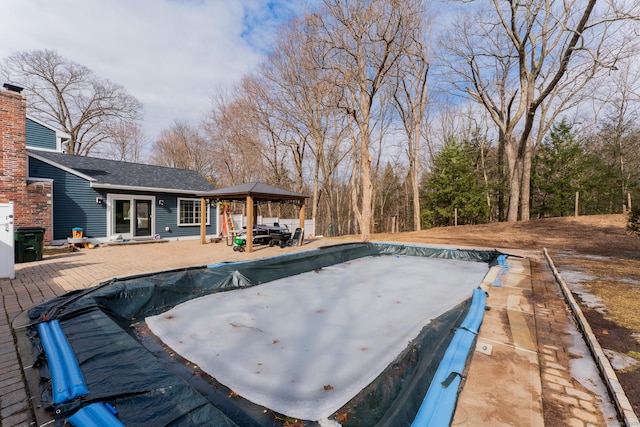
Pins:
<point x="32" y="201"/>
<point x="13" y="151"/>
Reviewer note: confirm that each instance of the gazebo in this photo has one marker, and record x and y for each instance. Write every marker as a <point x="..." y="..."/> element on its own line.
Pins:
<point x="252" y="193"/>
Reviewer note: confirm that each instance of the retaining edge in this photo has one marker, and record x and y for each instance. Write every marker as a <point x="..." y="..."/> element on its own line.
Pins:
<point x="623" y="406"/>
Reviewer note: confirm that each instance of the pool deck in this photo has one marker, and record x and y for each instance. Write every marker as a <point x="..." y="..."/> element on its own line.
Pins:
<point x="521" y="359"/>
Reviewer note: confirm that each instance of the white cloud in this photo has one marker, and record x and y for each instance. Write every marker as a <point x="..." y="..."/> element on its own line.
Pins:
<point x="170" y="54"/>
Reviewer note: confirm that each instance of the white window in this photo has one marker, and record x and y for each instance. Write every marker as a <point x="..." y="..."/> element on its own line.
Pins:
<point x="189" y="212"/>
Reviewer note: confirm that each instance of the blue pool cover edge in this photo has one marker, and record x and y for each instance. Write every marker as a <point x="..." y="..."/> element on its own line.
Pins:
<point x="439" y="403"/>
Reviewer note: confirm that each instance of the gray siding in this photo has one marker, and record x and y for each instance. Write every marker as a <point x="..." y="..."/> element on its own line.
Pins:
<point x="39" y="136"/>
<point x="74" y="202"/>
<point x="167" y="216"/>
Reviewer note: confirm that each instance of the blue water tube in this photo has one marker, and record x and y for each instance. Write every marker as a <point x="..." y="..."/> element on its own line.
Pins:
<point x="474" y="317"/>
<point x="94" y="415"/>
<point x="66" y="377"/>
<point x="502" y="260"/>
<point x="504" y="267"/>
<point x="439" y="403"/>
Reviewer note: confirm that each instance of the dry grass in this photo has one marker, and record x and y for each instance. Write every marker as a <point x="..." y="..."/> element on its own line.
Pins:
<point x="616" y="282"/>
<point x="621" y="301"/>
<point x="603" y="235"/>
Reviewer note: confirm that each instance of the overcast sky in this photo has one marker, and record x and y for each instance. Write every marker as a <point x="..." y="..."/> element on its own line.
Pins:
<point x="170" y="54"/>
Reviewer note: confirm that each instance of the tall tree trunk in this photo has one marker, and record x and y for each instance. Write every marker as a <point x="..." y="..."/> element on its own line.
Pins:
<point x="415" y="154"/>
<point x="501" y="176"/>
<point x="514" y="194"/>
<point x="415" y="189"/>
<point x="515" y="178"/>
<point x="316" y="190"/>
<point x="366" y="211"/>
<point x="623" y="181"/>
<point x="485" y="178"/>
<point x="525" y="188"/>
<point x="356" y="175"/>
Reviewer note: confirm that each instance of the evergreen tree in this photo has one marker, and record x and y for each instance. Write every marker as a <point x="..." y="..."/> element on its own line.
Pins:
<point x="599" y="192"/>
<point x="454" y="182"/>
<point x="558" y="172"/>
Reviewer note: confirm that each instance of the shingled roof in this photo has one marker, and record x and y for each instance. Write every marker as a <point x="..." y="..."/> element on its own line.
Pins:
<point x="103" y="173"/>
<point x="257" y="190"/>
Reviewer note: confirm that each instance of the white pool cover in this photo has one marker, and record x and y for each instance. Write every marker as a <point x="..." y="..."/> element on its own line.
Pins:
<point x="305" y="345"/>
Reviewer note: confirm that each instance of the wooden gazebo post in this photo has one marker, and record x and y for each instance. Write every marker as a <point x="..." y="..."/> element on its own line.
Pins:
<point x="203" y="220"/>
<point x="250" y="220"/>
<point x="301" y="220"/>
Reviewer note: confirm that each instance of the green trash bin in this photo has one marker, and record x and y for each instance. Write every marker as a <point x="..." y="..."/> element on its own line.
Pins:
<point x="29" y="243"/>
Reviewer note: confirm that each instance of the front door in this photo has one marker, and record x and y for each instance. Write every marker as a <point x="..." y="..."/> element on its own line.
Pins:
<point x="143" y="218"/>
<point x="6" y="241"/>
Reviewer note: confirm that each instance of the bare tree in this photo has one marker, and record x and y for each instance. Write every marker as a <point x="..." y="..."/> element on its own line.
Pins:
<point x="411" y="102"/>
<point x="269" y="123"/>
<point x="275" y="139"/>
<point x="301" y="100"/>
<point x="363" y="40"/>
<point x="619" y="130"/>
<point x="127" y="142"/>
<point x="513" y="55"/>
<point x="71" y="97"/>
<point x="234" y="141"/>
<point x="183" y="146"/>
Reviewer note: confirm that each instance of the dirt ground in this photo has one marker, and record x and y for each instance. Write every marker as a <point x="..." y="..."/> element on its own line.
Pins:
<point x="601" y="235"/>
<point x="600" y="248"/>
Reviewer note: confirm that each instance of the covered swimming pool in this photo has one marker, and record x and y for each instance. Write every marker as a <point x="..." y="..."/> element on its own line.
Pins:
<point x="342" y="335"/>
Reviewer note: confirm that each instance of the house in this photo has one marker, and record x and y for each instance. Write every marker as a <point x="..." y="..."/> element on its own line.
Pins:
<point x="108" y="199"/>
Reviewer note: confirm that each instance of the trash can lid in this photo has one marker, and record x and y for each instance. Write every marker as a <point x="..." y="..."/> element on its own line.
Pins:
<point x="30" y="229"/>
<point x="77" y="228"/>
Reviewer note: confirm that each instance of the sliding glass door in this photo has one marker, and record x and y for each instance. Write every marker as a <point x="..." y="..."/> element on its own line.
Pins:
<point x="130" y="217"/>
<point x="143" y="218"/>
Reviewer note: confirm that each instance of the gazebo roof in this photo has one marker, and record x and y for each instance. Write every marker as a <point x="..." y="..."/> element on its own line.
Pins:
<point x="259" y="191"/>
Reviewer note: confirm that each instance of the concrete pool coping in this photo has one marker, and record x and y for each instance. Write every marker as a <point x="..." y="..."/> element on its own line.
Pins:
<point x="507" y="348"/>
<point x="43" y="280"/>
